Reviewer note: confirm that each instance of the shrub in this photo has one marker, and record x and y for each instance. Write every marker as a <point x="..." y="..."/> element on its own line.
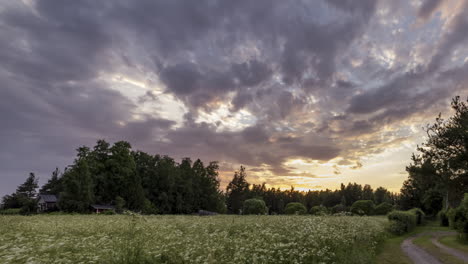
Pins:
<point x="363" y="207"/>
<point x="295" y="208"/>
<point x="119" y="204"/>
<point x="443" y="218"/>
<point x="456" y="216"/>
<point x="254" y="206"/>
<point x="401" y="221"/>
<point x="383" y="208"/>
<point x="10" y="211"/>
<point x="108" y="212"/>
<point x="339" y="208"/>
<point x="420" y="216"/>
<point x="458" y="219"/>
<point x="148" y="208"/>
<point x="318" y="210"/>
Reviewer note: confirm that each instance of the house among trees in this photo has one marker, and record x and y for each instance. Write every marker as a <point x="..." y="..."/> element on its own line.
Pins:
<point x="98" y="208"/>
<point x="47" y="202"/>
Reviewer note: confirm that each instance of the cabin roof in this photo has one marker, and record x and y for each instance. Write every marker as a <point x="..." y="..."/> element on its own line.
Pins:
<point x="102" y="207"/>
<point x="48" y="198"/>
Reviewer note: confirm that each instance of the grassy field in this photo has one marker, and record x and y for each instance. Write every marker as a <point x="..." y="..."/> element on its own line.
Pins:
<point x="189" y="239"/>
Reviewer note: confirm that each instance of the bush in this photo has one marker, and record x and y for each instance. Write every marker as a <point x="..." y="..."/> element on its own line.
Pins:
<point x="148" y="208"/>
<point x="108" y="212"/>
<point x="363" y="207"/>
<point x="339" y="208"/>
<point x="458" y="219"/>
<point x="420" y="215"/>
<point x="254" y="206"/>
<point x="295" y="208"/>
<point x="10" y="211"/>
<point x="401" y="221"/>
<point x="443" y="218"/>
<point x="318" y="210"/>
<point x="383" y="208"/>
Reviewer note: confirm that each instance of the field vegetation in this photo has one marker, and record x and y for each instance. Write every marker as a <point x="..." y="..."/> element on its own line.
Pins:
<point x="189" y="239"/>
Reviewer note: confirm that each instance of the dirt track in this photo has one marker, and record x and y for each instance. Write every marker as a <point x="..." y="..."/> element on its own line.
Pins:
<point x="420" y="256"/>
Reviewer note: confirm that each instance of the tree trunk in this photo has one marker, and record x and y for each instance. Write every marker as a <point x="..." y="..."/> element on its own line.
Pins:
<point x="446" y="200"/>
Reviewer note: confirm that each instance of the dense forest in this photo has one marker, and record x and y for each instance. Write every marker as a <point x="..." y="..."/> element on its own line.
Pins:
<point x="153" y="184"/>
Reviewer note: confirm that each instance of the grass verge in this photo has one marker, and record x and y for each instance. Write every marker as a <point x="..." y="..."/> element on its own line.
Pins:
<point x="452" y="241"/>
<point x="390" y="251"/>
<point x="425" y="243"/>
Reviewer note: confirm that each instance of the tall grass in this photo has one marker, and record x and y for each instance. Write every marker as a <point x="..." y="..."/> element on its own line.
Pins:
<point x="189" y="239"/>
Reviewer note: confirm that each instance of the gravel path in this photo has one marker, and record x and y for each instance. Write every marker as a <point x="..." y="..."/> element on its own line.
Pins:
<point x="420" y="256"/>
<point x="417" y="254"/>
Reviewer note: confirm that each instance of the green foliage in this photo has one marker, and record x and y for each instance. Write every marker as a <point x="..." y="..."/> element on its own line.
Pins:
<point x="24" y="198"/>
<point x="383" y="208"/>
<point x="148" y="208"/>
<point x="237" y="191"/>
<point x="10" y="211"/>
<point x="363" y="207"/>
<point x="458" y="218"/>
<point x="420" y="216"/>
<point x="318" y="210"/>
<point x="401" y="222"/>
<point x="443" y="218"/>
<point x="295" y="208"/>
<point x="119" y="204"/>
<point x="108" y="212"/>
<point x="254" y="206"/>
<point x="78" y="188"/>
<point x="339" y="208"/>
<point x="54" y="184"/>
<point x="190" y="239"/>
<point x="437" y="175"/>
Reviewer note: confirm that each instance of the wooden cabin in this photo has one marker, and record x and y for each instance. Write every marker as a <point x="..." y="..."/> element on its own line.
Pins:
<point x="47" y="202"/>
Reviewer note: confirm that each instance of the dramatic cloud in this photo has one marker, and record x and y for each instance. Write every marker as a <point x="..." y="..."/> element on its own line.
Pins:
<point x="306" y="93"/>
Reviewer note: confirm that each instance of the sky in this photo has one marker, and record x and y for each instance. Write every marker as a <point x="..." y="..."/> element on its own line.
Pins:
<point x="303" y="93"/>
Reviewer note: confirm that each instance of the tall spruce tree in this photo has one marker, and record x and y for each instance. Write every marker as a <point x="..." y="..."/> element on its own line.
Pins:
<point x="237" y="191"/>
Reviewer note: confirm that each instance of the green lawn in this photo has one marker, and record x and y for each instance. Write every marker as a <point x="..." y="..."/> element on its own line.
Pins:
<point x="452" y="241"/>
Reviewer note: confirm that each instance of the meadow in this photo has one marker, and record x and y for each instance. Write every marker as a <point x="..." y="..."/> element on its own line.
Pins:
<point x="189" y="239"/>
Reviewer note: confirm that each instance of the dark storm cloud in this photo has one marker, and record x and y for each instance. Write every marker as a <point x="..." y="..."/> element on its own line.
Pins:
<point x="289" y="65"/>
<point x="412" y="91"/>
<point x="428" y="7"/>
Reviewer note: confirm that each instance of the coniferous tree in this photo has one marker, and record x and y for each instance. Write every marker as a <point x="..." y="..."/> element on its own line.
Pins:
<point x="237" y="191"/>
<point x="54" y="185"/>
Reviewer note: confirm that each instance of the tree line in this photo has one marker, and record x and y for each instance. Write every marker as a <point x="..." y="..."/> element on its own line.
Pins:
<point x="438" y="173"/>
<point x="239" y="190"/>
<point x="153" y="184"/>
<point x="135" y="180"/>
<point x="117" y="175"/>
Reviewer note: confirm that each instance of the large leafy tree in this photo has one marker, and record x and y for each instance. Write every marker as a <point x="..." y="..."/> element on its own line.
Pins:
<point x="78" y="188"/>
<point x="440" y="170"/>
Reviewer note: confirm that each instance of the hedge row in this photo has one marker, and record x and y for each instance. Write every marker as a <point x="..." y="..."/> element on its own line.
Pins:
<point x="11" y="211"/>
<point x="405" y="221"/>
<point x="360" y="207"/>
<point x="457" y="218"/>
